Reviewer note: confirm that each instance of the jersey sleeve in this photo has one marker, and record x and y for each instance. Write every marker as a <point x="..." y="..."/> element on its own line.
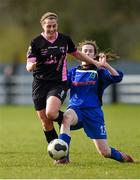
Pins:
<point x="71" y="46"/>
<point x="32" y="52"/>
<point x="70" y="76"/>
<point x="108" y="79"/>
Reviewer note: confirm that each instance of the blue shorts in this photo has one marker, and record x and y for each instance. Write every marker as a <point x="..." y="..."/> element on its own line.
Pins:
<point x="92" y="121"/>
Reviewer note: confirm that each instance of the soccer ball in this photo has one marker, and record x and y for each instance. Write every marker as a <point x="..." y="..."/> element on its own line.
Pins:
<point x="58" y="149"/>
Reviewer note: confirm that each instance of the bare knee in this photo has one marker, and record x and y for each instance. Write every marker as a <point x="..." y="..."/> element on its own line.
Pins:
<point x="51" y="115"/>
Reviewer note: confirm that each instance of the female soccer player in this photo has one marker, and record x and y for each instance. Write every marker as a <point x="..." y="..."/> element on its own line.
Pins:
<point x="87" y="84"/>
<point x="46" y="57"/>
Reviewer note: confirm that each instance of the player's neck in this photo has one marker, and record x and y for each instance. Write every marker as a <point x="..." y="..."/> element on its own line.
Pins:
<point x="87" y="66"/>
<point x="50" y="37"/>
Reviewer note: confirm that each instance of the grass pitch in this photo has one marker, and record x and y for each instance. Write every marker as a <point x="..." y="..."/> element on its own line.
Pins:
<point x="23" y="150"/>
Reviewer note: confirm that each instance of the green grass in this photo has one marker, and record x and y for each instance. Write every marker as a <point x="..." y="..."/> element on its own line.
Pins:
<point x="23" y="150"/>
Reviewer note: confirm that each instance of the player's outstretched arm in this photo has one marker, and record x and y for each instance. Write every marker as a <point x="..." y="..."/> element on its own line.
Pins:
<point x="112" y="70"/>
<point x="103" y="61"/>
<point x="83" y="57"/>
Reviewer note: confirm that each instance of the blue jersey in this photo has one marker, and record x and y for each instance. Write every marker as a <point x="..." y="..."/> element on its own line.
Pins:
<point x="87" y="86"/>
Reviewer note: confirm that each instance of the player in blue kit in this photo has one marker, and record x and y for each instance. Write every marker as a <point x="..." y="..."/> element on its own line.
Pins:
<point x="87" y="84"/>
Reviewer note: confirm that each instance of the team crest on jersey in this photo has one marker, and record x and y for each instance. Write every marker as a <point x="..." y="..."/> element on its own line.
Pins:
<point x="62" y="49"/>
<point x="93" y="75"/>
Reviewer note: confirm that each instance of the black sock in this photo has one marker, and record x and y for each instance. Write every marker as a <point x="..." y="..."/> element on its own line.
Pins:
<point x="50" y="135"/>
<point x="59" y="118"/>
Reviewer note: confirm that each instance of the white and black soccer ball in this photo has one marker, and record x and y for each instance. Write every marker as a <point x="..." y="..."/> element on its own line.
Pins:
<point x="58" y="149"/>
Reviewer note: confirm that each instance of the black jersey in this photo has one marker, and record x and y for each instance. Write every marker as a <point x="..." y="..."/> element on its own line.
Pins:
<point x="50" y="57"/>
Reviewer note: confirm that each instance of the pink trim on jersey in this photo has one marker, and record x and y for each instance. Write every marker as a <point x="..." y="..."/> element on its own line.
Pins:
<point x="32" y="59"/>
<point x="51" y="41"/>
<point x="64" y="70"/>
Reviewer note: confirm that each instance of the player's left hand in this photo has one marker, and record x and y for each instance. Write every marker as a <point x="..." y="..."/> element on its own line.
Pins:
<point x="103" y="59"/>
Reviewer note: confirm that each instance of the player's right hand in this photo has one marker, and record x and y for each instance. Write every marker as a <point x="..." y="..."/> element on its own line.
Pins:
<point x="31" y="66"/>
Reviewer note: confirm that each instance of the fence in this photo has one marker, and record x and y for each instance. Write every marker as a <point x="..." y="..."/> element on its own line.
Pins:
<point x="17" y="90"/>
<point x="129" y="89"/>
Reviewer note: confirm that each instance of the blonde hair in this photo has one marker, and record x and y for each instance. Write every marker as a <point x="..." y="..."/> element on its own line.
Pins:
<point x="108" y="52"/>
<point x="49" y="15"/>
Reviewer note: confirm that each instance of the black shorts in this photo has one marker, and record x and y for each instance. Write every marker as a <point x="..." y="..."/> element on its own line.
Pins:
<point x="42" y="89"/>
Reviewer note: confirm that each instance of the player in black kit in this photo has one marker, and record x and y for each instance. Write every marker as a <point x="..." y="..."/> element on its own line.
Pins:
<point x="46" y="58"/>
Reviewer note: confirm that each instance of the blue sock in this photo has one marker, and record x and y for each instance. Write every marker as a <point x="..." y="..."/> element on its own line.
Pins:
<point x="65" y="138"/>
<point x="116" y="155"/>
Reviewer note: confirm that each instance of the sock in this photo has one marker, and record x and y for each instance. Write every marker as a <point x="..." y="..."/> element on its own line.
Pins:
<point x="65" y="138"/>
<point x="59" y="118"/>
<point x="116" y="155"/>
<point x="50" y="135"/>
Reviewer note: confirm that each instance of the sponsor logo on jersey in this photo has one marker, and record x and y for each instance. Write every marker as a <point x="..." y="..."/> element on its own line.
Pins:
<point x="52" y="47"/>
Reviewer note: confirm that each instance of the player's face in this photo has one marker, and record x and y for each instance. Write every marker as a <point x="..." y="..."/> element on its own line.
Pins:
<point x="89" y="50"/>
<point x="50" y="27"/>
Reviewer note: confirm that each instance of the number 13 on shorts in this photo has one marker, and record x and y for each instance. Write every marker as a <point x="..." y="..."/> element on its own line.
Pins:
<point x="103" y="130"/>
